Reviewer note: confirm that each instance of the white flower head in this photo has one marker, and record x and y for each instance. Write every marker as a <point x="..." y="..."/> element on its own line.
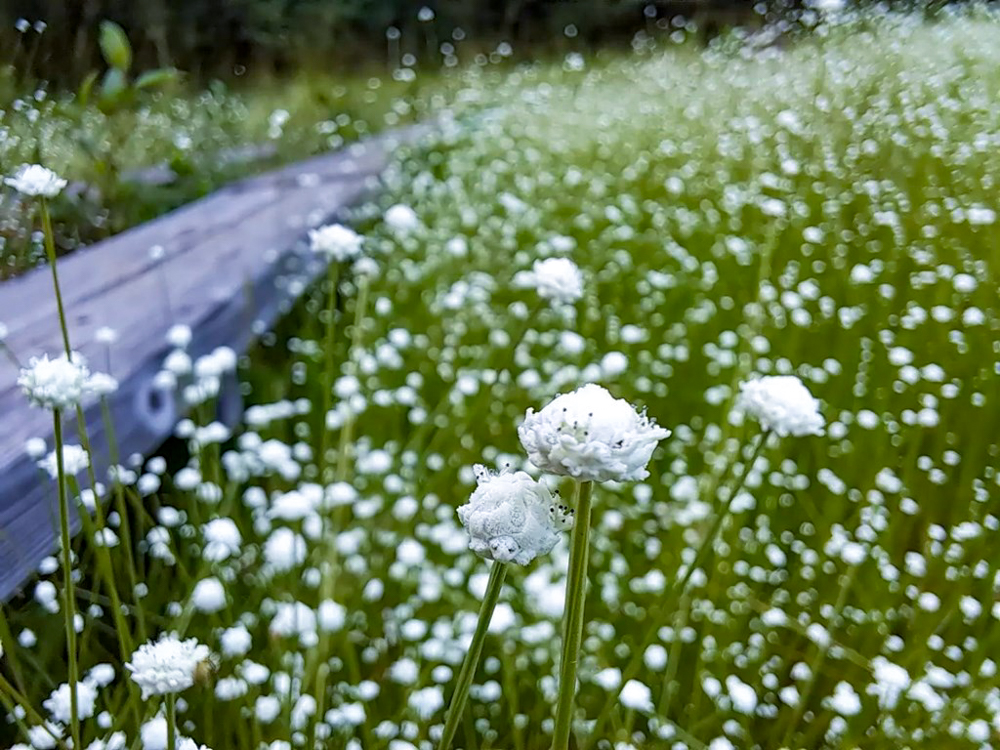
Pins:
<point x="558" y="280"/>
<point x="59" y="383"/>
<point x="222" y="539"/>
<point x="401" y="219"/>
<point x="781" y="403"/>
<point x="58" y="702"/>
<point x="336" y="242"/>
<point x="75" y="461"/>
<point x="592" y="436"/>
<point x="35" y="180"/>
<point x="167" y="665"/>
<point x="512" y="518"/>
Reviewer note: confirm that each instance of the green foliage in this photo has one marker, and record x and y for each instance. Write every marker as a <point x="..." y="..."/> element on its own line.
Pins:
<point x="115" y="46"/>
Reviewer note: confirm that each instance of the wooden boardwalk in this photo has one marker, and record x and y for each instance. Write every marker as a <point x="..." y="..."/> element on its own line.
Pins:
<point x="230" y="264"/>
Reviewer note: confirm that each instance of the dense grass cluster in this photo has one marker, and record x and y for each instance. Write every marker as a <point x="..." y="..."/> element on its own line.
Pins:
<point x="825" y="210"/>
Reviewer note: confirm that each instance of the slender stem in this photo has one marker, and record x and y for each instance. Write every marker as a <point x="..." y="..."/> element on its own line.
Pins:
<point x="328" y="374"/>
<point x="335" y="521"/>
<point x="680" y="588"/>
<point x="171" y="721"/>
<point x="457" y="708"/>
<point x="126" y="530"/>
<point x="344" y="449"/>
<point x="818" y="660"/>
<point x="10" y="355"/>
<point x="708" y="543"/>
<point x="69" y="598"/>
<point x="576" y="587"/>
<point x="50" y="251"/>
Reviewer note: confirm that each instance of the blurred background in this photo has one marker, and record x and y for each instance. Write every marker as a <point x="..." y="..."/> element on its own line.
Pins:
<point x="225" y="38"/>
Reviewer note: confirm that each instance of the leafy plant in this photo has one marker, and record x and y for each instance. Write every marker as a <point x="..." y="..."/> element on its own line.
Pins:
<point x="117" y="89"/>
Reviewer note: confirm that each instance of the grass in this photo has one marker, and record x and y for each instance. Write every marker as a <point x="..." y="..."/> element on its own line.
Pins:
<point x="826" y="210"/>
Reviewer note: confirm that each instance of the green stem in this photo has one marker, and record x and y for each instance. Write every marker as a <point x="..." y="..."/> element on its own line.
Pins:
<point x="457" y="708"/>
<point x="344" y="450"/>
<point x="171" y="721"/>
<point x="576" y="586"/>
<point x="680" y="589"/>
<point x="328" y="374"/>
<point x="50" y="251"/>
<point x="817" y="663"/>
<point x="126" y="530"/>
<point x="69" y="598"/>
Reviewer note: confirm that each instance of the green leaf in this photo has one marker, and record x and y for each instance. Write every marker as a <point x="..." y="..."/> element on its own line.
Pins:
<point x="86" y="87"/>
<point x="155" y="78"/>
<point x="115" y="47"/>
<point x="113" y="88"/>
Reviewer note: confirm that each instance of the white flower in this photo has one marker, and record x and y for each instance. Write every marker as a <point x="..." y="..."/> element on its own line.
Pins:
<point x="592" y="436"/>
<point x="295" y="618"/>
<point x="179" y="336"/>
<point x="637" y="696"/>
<point x="153" y="734"/>
<point x="106" y="335"/>
<point x="58" y="702"/>
<point x="512" y="518"/>
<point x="59" y="383"/>
<point x="828" y="6"/>
<point x="235" y="641"/>
<point x="891" y="680"/>
<point x="75" y="460"/>
<point x="34" y="180"/>
<point x="845" y="701"/>
<point x="209" y="595"/>
<point x="402" y="219"/>
<point x="166" y="666"/>
<point x="100" y="675"/>
<point x="222" y="539"/>
<point x="101" y="384"/>
<point x="336" y="241"/>
<point x="426" y="701"/>
<point x="555" y="279"/>
<point x="781" y="403"/>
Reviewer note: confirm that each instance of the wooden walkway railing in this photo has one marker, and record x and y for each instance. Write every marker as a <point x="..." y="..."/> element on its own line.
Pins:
<point x="224" y="270"/>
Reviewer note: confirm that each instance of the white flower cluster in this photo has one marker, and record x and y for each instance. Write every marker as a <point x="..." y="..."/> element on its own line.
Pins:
<point x="512" y="518"/>
<point x="336" y="241"/>
<point x="401" y="219"/>
<point x="558" y="280"/>
<point x="166" y="666"/>
<point x="592" y="436"/>
<point x="59" y="383"/>
<point x="35" y="180"/>
<point x="781" y="403"/>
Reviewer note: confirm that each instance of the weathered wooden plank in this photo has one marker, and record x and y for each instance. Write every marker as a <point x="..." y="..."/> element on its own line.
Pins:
<point x="223" y="270"/>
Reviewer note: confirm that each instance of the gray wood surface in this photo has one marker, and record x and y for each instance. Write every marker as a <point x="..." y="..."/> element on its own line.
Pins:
<point x="224" y="271"/>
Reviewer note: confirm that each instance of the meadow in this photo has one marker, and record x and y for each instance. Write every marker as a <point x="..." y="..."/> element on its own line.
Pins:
<point x="822" y="207"/>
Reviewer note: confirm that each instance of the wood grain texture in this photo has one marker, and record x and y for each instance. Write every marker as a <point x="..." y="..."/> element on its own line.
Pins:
<point x="230" y="264"/>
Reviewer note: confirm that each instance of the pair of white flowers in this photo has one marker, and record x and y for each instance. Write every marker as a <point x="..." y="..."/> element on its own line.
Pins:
<point x="588" y="435"/>
<point x="591" y="436"/>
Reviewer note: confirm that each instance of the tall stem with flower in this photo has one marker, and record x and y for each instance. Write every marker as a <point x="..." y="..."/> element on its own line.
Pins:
<point x="511" y="518"/>
<point x="593" y="437"/>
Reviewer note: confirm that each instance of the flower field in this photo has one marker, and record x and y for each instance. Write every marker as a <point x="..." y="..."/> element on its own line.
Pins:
<point x="736" y="307"/>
